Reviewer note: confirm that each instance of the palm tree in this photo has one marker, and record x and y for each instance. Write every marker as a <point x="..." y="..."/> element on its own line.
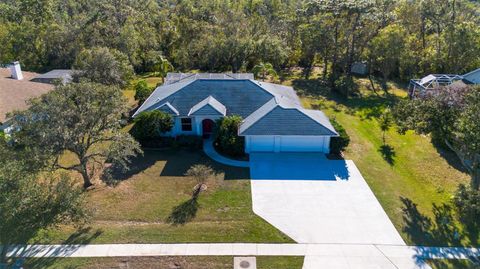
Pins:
<point x="386" y="122"/>
<point x="162" y="67"/>
<point x="263" y="70"/>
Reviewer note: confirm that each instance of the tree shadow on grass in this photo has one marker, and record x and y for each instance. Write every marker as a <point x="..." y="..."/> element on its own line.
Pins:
<point x="185" y="212"/>
<point x="441" y="230"/>
<point x="446" y="228"/>
<point x="456" y="264"/>
<point x="84" y="235"/>
<point x="370" y="106"/>
<point x="388" y="153"/>
<point x="113" y="175"/>
<point x="450" y="156"/>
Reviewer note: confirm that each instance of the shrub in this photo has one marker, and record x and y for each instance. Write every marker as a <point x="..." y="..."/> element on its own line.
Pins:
<point x="467" y="205"/>
<point x="189" y="142"/>
<point x="142" y="91"/>
<point x="151" y="124"/>
<point x="339" y="143"/>
<point x="226" y="136"/>
<point x="345" y="85"/>
<point x="201" y="173"/>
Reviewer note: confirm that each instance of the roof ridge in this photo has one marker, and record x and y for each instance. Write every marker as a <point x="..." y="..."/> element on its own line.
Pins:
<point x="304" y="111"/>
<point x="152" y="95"/>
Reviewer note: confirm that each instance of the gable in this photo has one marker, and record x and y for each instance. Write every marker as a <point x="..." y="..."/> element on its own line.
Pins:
<point x="206" y="110"/>
<point x="208" y="106"/>
<point x="241" y="97"/>
<point x="168" y="108"/>
<point x="286" y="121"/>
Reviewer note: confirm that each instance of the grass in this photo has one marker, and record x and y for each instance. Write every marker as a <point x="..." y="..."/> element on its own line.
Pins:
<point x="188" y="262"/>
<point x="452" y="264"/>
<point x="138" y="209"/>
<point x="408" y="166"/>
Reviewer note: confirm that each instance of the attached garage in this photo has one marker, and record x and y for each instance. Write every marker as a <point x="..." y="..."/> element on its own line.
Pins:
<point x="287" y="144"/>
<point x="260" y="144"/>
<point x="304" y="144"/>
<point x="278" y="127"/>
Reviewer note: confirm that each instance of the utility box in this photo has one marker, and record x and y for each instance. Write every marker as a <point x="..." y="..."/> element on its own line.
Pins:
<point x="244" y="263"/>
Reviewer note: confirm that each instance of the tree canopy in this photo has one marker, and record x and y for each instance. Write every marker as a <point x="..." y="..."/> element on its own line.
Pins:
<point x="82" y="119"/>
<point x="103" y="65"/>
<point x="410" y="38"/>
<point x="31" y="202"/>
<point x="450" y="115"/>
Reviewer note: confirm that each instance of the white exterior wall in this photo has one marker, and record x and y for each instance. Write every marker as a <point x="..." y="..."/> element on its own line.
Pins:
<point x="177" y="127"/>
<point x="196" y="125"/>
<point x="287" y="144"/>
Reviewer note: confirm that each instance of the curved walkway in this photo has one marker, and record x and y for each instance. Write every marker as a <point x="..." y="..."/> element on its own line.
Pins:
<point x="210" y="151"/>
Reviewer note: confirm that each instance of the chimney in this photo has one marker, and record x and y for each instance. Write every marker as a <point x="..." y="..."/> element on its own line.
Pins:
<point x="16" y="70"/>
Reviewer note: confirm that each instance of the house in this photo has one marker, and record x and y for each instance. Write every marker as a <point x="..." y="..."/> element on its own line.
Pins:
<point x="434" y="81"/>
<point x="274" y="119"/>
<point x="16" y="88"/>
<point x="472" y="77"/>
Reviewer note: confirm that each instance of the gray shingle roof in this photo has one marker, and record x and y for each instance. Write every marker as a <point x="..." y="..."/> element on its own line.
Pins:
<point x="160" y="94"/>
<point x="268" y="109"/>
<point x="240" y="97"/>
<point x="278" y="117"/>
<point x="168" y="108"/>
<point x="208" y="106"/>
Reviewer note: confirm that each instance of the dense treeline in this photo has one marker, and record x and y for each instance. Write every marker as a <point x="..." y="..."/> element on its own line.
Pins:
<point x="396" y="38"/>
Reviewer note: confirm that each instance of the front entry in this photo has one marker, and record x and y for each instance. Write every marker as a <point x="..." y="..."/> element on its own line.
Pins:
<point x="207" y="127"/>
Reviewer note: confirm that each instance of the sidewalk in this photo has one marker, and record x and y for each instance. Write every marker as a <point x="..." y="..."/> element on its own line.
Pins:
<point x="237" y="249"/>
<point x="210" y="151"/>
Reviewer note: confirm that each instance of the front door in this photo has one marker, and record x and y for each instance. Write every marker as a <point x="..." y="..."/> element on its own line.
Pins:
<point x="207" y="127"/>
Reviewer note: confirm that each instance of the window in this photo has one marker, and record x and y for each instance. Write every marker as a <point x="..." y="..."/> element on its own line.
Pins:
<point x="186" y="124"/>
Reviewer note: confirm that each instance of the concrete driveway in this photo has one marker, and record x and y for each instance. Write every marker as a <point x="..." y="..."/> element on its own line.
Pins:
<point x="315" y="200"/>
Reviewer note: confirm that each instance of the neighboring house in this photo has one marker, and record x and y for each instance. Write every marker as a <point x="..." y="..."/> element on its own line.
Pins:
<point x="61" y="75"/>
<point x="472" y="77"/>
<point x="433" y="81"/>
<point x="274" y="119"/>
<point x="16" y="88"/>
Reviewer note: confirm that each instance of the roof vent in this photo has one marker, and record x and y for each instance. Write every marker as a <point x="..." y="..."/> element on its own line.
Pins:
<point x="16" y="71"/>
<point x="244" y="263"/>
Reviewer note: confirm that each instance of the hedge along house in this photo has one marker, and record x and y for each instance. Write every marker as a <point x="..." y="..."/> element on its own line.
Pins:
<point x="274" y="120"/>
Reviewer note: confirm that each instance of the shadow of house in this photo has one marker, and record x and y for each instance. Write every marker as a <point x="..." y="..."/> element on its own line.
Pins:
<point x="308" y="166"/>
<point x="178" y="164"/>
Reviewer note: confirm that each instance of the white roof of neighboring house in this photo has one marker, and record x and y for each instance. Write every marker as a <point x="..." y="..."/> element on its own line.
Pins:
<point x="473" y="77"/>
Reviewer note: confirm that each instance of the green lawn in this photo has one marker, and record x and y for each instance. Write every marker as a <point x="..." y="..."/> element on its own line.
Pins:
<point x="453" y="264"/>
<point x="189" y="262"/>
<point x="140" y="208"/>
<point x="411" y="167"/>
